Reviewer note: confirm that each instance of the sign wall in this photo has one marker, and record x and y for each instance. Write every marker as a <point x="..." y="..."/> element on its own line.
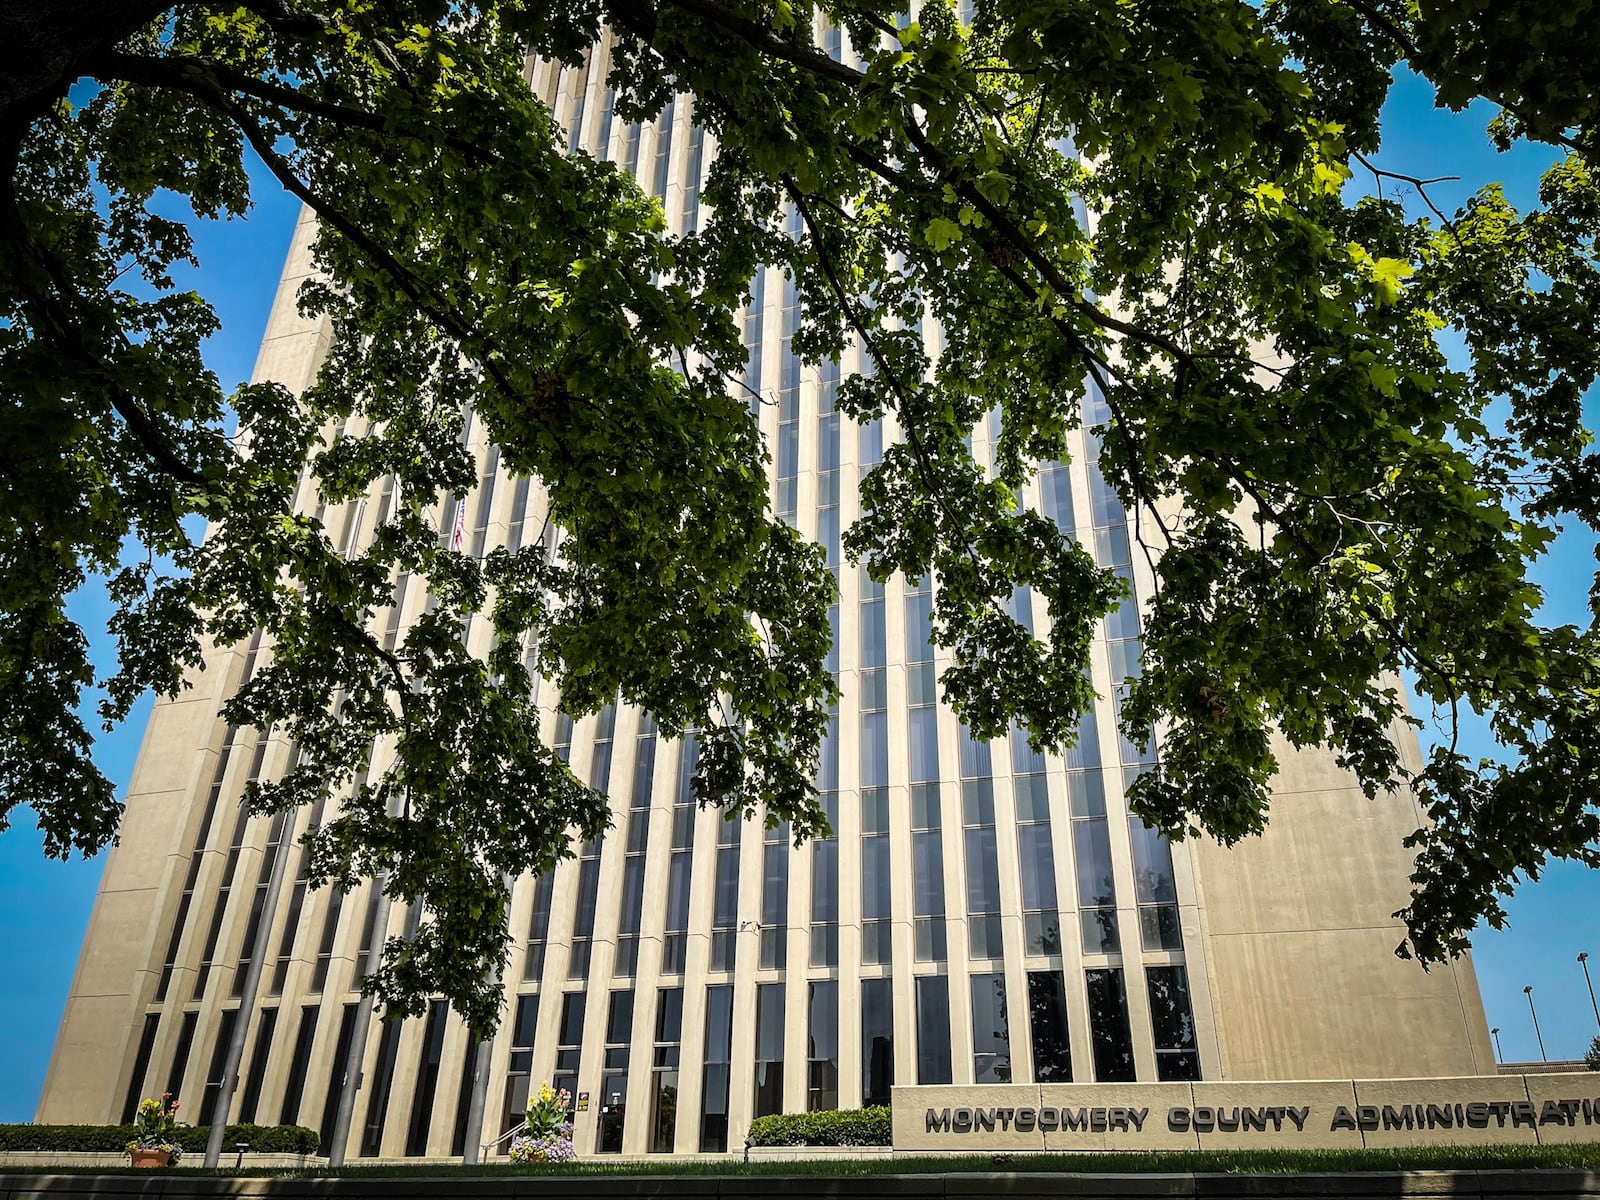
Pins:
<point x="1227" y="1115"/>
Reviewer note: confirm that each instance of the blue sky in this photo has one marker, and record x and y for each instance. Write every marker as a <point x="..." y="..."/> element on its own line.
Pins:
<point x="47" y="903"/>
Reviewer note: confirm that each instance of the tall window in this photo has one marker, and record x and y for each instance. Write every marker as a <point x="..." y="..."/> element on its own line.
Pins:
<point x="674" y="945"/>
<point x="664" y="1073"/>
<point x="1035" y="849"/>
<point x="719" y="1055"/>
<point x="769" y="1049"/>
<point x="874" y="749"/>
<point x="1047" y="1022"/>
<point x="822" y="1045"/>
<point x="520" y="1067"/>
<point x="825" y="854"/>
<point x="1172" y="1019"/>
<point x="635" y="849"/>
<point x="569" y="1044"/>
<point x="877" y="1040"/>
<point x="775" y="897"/>
<point x="538" y="926"/>
<point x="725" y="900"/>
<point x="933" y="1029"/>
<point x="1108" y="1026"/>
<point x="299" y="1061"/>
<point x="991" y="1029"/>
<point x="983" y="868"/>
<point x="1154" y="888"/>
<point x="382" y="1084"/>
<point x="614" y="1082"/>
<point x="427" y="1084"/>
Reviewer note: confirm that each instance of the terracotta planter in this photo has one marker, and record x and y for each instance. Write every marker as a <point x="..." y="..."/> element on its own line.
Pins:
<point x="150" y="1158"/>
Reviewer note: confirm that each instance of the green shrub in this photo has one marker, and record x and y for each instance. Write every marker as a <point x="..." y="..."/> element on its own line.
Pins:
<point x="113" y="1139"/>
<point x="847" y="1127"/>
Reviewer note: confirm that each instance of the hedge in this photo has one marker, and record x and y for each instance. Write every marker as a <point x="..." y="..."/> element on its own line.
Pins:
<point x="92" y="1139"/>
<point x="846" y="1127"/>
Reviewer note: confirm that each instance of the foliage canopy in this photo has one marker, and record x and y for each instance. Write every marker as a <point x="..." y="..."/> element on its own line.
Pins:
<point x="1325" y="501"/>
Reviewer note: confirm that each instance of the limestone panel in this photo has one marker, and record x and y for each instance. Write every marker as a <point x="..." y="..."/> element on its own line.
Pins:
<point x="1480" y="1111"/>
<point x="1116" y="1116"/>
<point x="1568" y="1106"/>
<point x="968" y="1118"/>
<point x="1273" y="1116"/>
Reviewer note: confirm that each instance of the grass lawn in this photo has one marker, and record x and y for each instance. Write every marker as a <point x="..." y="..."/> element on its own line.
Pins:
<point x="1433" y="1158"/>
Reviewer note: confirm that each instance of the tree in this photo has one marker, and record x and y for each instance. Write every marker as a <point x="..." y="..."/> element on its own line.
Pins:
<point x="1591" y="1058"/>
<point x="1325" y="501"/>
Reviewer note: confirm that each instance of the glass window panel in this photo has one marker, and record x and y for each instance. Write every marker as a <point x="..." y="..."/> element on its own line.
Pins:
<point x="825" y="881"/>
<point x="1047" y="1016"/>
<point x="984" y="937"/>
<point x="983" y="871"/>
<point x="874" y="749"/>
<point x="1041" y="932"/>
<point x="678" y="891"/>
<point x="873" y="638"/>
<point x="769" y="1049"/>
<point x="977" y="802"/>
<point x="1108" y="1026"/>
<point x="1025" y="760"/>
<point x="991" y="1031"/>
<point x="927" y="874"/>
<point x="875" y="810"/>
<point x="714" y="1090"/>
<point x="725" y="910"/>
<point x="1038" y="865"/>
<point x="875" y="877"/>
<point x="931" y="939"/>
<point x="1172" y="1022"/>
<point x="924" y="744"/>
<point x="1153" y="880"/>
<point x="925" y="807"/>
<point x="1092" y="853"/>
<point x="1100" y="931"/>
<point x="1159" y="927"/>
<point x="1085" y="752"/>
<point x="822" y="1045"/>
<point x="1032" y="794"/>
<point x="1086" y="793"/>
<point x="619" y="1021"/>
<point x="877" y="1041"/>
<point x="976" y="762"/>
<point x="933" y="1029"/>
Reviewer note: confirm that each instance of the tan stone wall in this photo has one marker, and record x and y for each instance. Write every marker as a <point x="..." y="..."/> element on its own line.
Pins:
<point x="1299" y="941"/>
<point x="1307" y="1115"/>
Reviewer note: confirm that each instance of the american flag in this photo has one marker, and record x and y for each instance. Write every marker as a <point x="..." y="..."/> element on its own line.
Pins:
<point x="459" y="534"/>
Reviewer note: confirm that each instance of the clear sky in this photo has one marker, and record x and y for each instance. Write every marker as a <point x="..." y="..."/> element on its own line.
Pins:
<point x="45" y="904"/>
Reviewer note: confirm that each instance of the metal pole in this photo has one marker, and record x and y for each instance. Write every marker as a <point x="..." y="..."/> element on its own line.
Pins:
<point x="1583" y="961"/>
<point x="350" y="1081"/>
<point x="1528" y="991"/>
<point x="471" y="1150"/>
<point x="1499" y="1054"/>
<point x="247" y="996"/>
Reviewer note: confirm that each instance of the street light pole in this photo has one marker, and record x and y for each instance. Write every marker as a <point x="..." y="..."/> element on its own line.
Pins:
<point x="1499" y="1054"/>
<point x="1528" y="991"/>
<point x="1583" y="961"/>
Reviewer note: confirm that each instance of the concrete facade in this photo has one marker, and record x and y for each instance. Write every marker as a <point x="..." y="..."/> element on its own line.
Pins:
<point x="982" y="915"/>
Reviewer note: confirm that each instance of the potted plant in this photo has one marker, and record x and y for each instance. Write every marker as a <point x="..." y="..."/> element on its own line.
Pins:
<point x="155" y="1133"/>
<point x="547" y="1137"/>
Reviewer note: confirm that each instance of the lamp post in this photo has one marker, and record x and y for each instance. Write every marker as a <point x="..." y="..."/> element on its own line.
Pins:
<point x="1583" y="961"/>
<point x="1528" y="992"/>
<point x="1499" y="1054"/>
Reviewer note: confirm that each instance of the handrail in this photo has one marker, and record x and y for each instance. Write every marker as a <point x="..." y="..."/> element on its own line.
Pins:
<point x="483" y="1150"/>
